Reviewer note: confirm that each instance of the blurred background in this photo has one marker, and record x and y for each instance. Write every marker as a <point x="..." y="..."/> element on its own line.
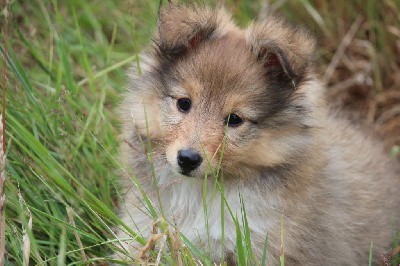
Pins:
<point x="65" y="73"/>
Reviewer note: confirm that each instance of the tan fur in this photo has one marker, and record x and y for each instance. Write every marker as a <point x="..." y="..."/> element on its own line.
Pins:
<point x="295" y="161"/>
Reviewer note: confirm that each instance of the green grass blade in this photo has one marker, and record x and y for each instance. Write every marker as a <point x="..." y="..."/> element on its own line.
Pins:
<point x="247" y="238"/>
<point x="370" y="255"/>
<point x="240" y="248"/>
<point x="63" y="248"/>
<point x="264" y="256"/>
<point x="196" y="252"/>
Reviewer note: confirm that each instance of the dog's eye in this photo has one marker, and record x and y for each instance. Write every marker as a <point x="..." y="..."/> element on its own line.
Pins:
<point x="184" y="104"/>
<point x="233" y="120"/>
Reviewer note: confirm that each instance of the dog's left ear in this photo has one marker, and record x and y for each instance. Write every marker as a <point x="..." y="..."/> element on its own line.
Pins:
<point x="284" y="50"/>
<point x="184" y="27"/>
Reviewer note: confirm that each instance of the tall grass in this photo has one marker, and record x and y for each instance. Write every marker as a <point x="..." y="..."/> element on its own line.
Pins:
<point x="66" y="65"/>
<point x="66" y="70"/>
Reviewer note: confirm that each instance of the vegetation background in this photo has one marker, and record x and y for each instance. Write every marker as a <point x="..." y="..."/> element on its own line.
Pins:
<point x="66" y="63"/>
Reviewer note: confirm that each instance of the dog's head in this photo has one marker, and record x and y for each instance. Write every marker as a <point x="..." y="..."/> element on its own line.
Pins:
<point x="211" y="94"/>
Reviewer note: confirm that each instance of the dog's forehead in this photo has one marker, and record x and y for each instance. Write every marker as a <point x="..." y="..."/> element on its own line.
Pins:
<point x="223" y="65"/>
<point x="225" y="57"/>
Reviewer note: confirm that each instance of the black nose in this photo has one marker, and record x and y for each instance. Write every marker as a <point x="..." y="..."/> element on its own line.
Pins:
<point x="188" y="160"/>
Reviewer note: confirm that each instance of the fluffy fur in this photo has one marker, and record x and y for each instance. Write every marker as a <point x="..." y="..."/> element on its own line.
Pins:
<point x="293" y="159"/>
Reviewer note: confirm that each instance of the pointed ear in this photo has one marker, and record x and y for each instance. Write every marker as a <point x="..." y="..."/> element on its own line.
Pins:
<point x="285" y="51"/>
<point x="182" y="28"/>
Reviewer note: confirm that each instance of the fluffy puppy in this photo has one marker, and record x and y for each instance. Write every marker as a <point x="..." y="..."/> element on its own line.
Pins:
<point x="244" y="107"/>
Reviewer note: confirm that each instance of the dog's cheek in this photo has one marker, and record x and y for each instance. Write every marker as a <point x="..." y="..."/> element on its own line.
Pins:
<point x="263" y="149"/>
<point x="144" y="116"/>
<point x="234" y="148"/>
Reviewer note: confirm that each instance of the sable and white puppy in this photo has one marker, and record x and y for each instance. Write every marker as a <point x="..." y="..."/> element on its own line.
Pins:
<point x="207" y="90"/>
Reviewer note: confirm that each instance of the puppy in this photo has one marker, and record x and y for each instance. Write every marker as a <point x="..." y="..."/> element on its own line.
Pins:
<point x="215" y="108"/>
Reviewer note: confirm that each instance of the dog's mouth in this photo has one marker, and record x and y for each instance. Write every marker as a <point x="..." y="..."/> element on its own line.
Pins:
<point x="197" y="173"/>
<point x="186" y="173"/>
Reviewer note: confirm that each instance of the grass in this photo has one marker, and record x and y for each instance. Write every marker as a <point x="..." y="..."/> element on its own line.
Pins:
<point x="66" y="71"/>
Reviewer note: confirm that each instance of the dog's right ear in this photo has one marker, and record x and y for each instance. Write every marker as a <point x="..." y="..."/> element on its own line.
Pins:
<point x="284" y="50"/>
<point x="182" y="28"/>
